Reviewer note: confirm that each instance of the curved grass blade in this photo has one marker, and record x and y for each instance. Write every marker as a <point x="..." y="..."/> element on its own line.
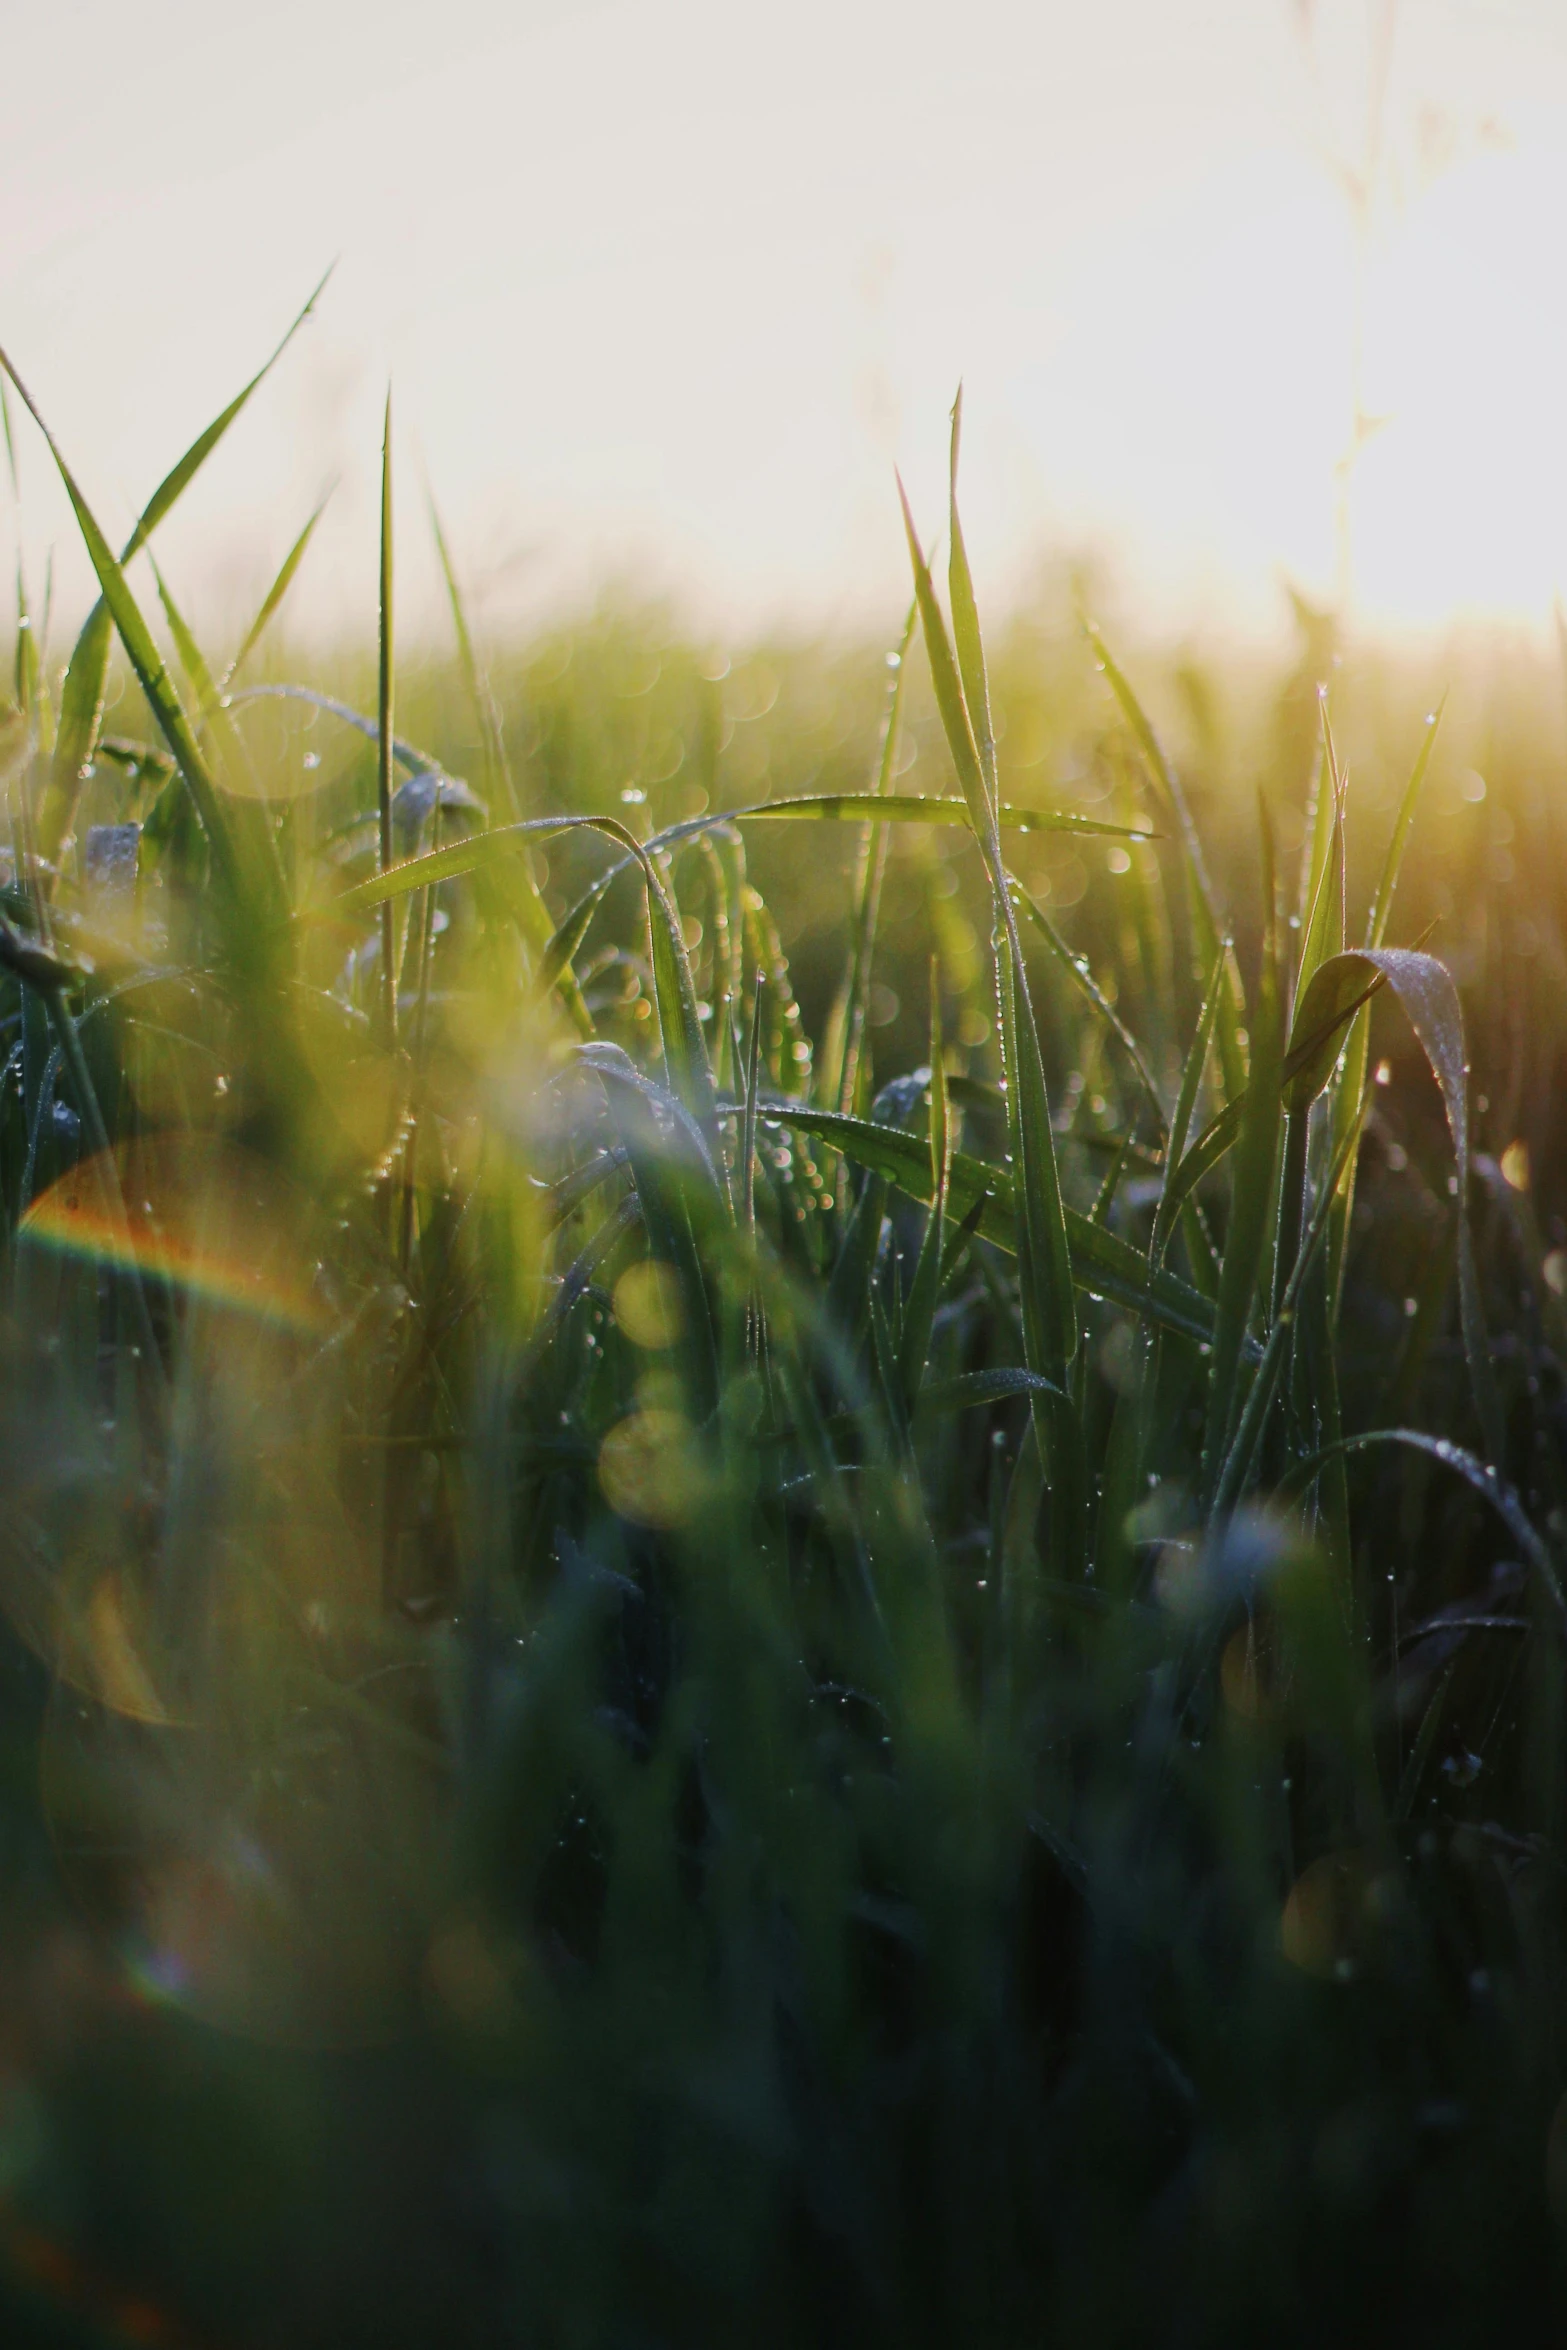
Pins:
<point x="1352" y="1084"/>
<point x="681" y="1191"/>
<point x="1242" y="1449"/>
<point x="1219" y="1134"/>
<point x="1502" y="1497"/>
<point x="467" y="856"/>
<point x="1425" y="989"/>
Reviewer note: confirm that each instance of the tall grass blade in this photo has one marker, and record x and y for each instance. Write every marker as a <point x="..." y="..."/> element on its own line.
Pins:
<point x="1207" y="930"/>
<point x="383" y="740"/>
<point x="1081" y="979"/>
<point x="1186" y="1102"/>
<point x="273" y="598"/>
<point x="1352" y="1084"/>
<point x="1425" y="989"/>
<point x="145" y="659"/>
<point x="1252" y="1194"/>
<point x="839" y="1074"/>
<point x="919" y="1312"/>
<point x="81" y="700"/>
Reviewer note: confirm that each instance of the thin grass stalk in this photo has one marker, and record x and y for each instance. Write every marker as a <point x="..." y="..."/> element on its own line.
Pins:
<point x="383" y="750"/>
<point x="870" y="868"/>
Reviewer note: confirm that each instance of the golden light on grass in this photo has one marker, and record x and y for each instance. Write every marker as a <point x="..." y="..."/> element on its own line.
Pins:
<point x="1515" y="1165"/>
<point x="649" y="1470"/>
<point x="647" y="1305"/>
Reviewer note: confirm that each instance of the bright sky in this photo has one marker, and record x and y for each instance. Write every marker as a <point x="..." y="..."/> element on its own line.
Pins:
<point x="666" y="286"/>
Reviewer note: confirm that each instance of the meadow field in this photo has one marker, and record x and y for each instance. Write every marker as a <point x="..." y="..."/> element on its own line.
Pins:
<point x="784" y="1490"/>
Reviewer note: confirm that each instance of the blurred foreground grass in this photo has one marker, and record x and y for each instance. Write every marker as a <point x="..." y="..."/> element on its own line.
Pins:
<point x="780" y="1575"/>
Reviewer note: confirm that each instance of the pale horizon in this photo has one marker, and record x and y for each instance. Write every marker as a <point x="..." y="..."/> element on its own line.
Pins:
<point x="664" y="295"/>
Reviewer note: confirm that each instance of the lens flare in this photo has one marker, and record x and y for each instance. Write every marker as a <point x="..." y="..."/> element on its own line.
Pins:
<point x="191" y="1211"/>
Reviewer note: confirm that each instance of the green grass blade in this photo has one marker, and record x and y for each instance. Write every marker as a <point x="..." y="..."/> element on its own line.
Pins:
<point x="1080" y="978"/>
<point x="498" y="784"/>
<point x="839" y="1073"/>
<point x="273" y="598"/>
<point x="925" y="1287"/>
<point x="1322" y="934"/>
<point x="1044" y="1263"/>
<point x="189" y="654"/>
<point x="10" y="445"/>
<point x="674" y="992"/>
<point x="467" y="856"/>
<point x="81" y="701"/>
<point x="144" y="657"/>
<point x="1208" y="932"/>
<point x="383" y="741"/>
<point x="1398" y="839"/>
<point x="1502" y="1497"/>
<point x="971" y="1390"/>
<point x="1352" y="1084"/>
<point x="965" y="623"/>
<point x="1425" y="989"/>
<point x="1252" y="1194"/>
<point x="1101" y="1262"/>
<point x="1186" y="1102"/>
<point x="1242" y="1448"/>
<point x="950" y="703"/>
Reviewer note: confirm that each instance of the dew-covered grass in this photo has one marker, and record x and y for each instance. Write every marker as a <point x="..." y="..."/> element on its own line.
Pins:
<point x="783" y="1481"/>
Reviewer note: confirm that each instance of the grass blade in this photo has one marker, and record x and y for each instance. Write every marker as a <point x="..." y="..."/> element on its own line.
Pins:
<point x="846" y="1032"/>
<point x="920" y="1310"/>
<point x="1207" y="930"/>
<point x="273" y="597"/>
<point x="1186" y="1102"/>
<point x="1101" y="1262"/>
<point x="1251" y="1200"/>
<point x="467" y="856"/>
<point x="1082" y="980"/>
<point x="383" y="762"/>
<point x="81" y="701"/>
<point x="1357" y="1051"/>
<point x="145" y="659"/>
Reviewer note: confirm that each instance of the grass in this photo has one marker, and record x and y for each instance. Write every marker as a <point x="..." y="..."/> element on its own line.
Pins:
<point x="784" y="1487"/>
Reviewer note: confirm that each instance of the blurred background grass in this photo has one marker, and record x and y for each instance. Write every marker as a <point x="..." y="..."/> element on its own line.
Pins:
<point x="1272" y="2148"/>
